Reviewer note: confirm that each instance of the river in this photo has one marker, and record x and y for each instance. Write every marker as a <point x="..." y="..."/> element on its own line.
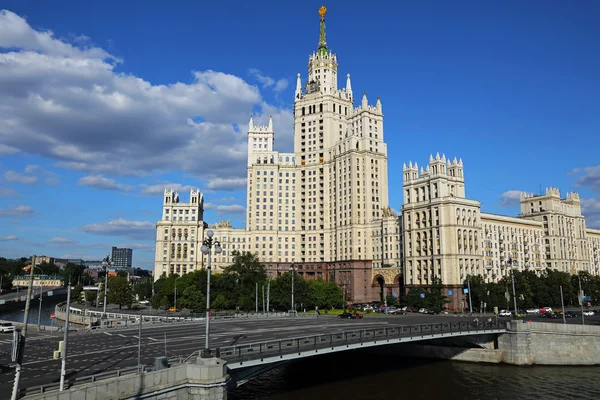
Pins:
<point x="366" y="376"/>
<point x="47" y="309"/>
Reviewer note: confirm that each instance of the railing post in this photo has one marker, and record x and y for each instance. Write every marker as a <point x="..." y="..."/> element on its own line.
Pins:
<point x="331" y="339"/>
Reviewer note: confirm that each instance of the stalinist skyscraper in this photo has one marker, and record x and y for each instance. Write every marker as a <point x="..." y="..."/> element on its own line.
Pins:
<point x="323" y="207"/>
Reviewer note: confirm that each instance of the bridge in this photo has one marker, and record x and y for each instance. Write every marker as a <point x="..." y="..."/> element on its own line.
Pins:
<point x="250" y="347"/>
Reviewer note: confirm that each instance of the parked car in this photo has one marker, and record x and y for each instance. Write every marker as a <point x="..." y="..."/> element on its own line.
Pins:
<point x="6" y="327"/>
<point x="588" y="313"/>
<point x="505" y="313"/>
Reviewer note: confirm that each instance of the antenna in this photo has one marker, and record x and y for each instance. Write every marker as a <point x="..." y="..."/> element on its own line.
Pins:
<point x="541" y="189"/>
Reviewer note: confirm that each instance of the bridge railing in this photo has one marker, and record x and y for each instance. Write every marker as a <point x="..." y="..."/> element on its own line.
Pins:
<point x="256" y="350"/>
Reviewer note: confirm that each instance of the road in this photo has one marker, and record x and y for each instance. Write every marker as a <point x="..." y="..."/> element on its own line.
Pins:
<point x="101" y="351"/>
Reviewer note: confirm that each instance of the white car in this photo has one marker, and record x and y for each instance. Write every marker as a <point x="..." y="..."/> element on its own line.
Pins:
<point x="505" y="313"/>
<point x="6" y="327"/>
<point x="588" y="313"/>
<point x="533" y="311"/>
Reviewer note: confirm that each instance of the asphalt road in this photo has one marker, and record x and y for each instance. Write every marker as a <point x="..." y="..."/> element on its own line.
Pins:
<point x="92" y="353"/>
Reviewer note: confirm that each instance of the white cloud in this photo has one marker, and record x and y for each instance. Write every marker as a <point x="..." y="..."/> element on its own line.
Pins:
<point x="8" y="238"/>
<point x="31" y="175"/>
<point x="124" y="228"/>
<point x="8" y="192"/>
<point x="268" y="82"/>
<point x="588" y="176"/>
<point x="159" y="189"/>
<point x="7" y="150"/>
<point x="12" y="176"/>
<point x="17" y="212"/>
<point x="63" y="241"/>
<point x="66" y="102"/>
<point x="232" y="209"/>
<point x="139" y="246"/>
<point x="510" y="198"/>
<point x="226" y="183"/>
<point x="100" y="182"/>
<point x="281" y="85"/>
<point x="590" y="208"/>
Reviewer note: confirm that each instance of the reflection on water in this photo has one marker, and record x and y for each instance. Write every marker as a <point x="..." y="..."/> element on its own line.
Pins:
<point x="369" y="376"/>
<point x="47" y="309"/>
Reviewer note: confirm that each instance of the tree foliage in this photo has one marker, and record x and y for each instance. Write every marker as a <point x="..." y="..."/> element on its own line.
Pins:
<point x="533" y="291"/>
<point x="236" y="289"/>
<point x="120" y="292"/>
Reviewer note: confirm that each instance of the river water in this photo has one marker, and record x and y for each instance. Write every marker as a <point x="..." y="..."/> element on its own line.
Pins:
<point x="369" y="376"/>
<point x="47" y="309"/>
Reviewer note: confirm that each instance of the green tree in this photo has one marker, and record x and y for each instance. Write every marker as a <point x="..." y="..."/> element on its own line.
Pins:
<point x="220" y="303"/>
<point x="90" y="296"/>
<point x="435" y="299"/>
<point x="120" y="292"/>
<point x="326" y="295"/>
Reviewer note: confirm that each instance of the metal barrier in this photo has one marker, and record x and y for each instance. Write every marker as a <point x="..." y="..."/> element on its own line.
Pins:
<point x="256" y="350"/>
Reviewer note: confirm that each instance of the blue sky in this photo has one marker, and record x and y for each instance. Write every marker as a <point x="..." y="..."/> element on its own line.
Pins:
<point x="103" y="104"/>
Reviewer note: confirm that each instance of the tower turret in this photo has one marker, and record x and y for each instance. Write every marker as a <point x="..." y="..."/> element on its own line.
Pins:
<point x="298" y="93"/>
<point x="260" y="139"/>
<point x="348" y="87"/>
<point x="322" y="65"/>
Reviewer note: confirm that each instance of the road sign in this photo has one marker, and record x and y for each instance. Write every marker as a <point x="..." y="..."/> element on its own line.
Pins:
<point x="394" y="294"/>
<point x="422" y="295"/>
<point x="449" y="292"/>
<point x="465" y="290"/>
<point x="52" y="316"/>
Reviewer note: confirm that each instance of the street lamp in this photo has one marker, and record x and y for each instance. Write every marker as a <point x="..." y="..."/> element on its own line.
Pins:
<point x="175" y="300"/>
<point x="206" y="248"/>
<point x="293" y="269"/>
<point x="41" y="295"/>
<point x="512" y="273"/>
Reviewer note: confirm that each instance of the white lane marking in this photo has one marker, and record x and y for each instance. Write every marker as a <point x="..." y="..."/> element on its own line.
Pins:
<point x="156" y="340"/>
<point x="122" y="335"/>
<point x="108" y="333"/>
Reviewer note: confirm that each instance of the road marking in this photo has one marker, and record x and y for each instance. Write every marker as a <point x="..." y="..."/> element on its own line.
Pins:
<point x="108" y="333"/>
<point x="156" y="340"/>
<point x="136" y="337"/>
<point x="122" y="335"/>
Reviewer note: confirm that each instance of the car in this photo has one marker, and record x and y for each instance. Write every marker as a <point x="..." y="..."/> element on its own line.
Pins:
<point x="398" y="311"/>
<point x="505" y="313"/>
<point x="347" y="315"/>
<point x="571" y="314"/>
<point x="533" y="311"/>
<point x="588" y="313"/>
<point x="6" y="327"/>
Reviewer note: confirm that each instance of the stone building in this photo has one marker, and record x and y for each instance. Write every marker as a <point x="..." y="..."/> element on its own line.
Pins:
<point x="446" y="236"/>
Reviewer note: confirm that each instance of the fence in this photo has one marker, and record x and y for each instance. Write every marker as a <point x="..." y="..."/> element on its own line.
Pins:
<point x="243" y="352"/>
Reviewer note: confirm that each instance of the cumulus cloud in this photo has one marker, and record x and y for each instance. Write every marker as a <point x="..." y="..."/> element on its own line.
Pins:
<point x="159" y="189"/>
<point x="590" y="208"/>
<point x="268" y="82"/>
<point x="12" y="176"/>
<point x="226" y="183"/>
<point x="589" y="177"/>
<point x="63" y="241"/>
<point x="65" y="101"/>
<point x="124" y="228"/>
<point x="102" y="183"/>
<point x="232" y="209"/>
<point x="7" y="150"/>
<point x="8" y="192"/>
<point x="17" y="212"/>
<point x="510" y="198"/>
<point x="8" y="238"/>
<point x="138" y="246"/>
<point x="32" y="175"/>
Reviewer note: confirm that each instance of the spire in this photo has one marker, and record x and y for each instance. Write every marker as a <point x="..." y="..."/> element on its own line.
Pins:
<point x="348" y="86"/>
<point x="251" y="124"/>
<point x="364" y="102"/>
<point x="270" y="129"/>
<point x="322" y="42"/>
<point x="378" y="104"/>
<point x="298" y="93"/>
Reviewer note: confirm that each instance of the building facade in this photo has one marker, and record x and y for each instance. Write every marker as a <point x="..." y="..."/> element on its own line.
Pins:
<point x="446" y="236"/>
<point x="324" y="210"/>
<point x="322" y="204"/>
<point x="121" y="257"/>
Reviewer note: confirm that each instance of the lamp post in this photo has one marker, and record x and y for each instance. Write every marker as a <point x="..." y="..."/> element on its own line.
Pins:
<point x="206" y="248"/>
<point x="580" y="297"/>
<point x="293" y="269"/>
<point x="512" y="274"/>
<point x="107" y="259"/>
<point x="175" y="300"/>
